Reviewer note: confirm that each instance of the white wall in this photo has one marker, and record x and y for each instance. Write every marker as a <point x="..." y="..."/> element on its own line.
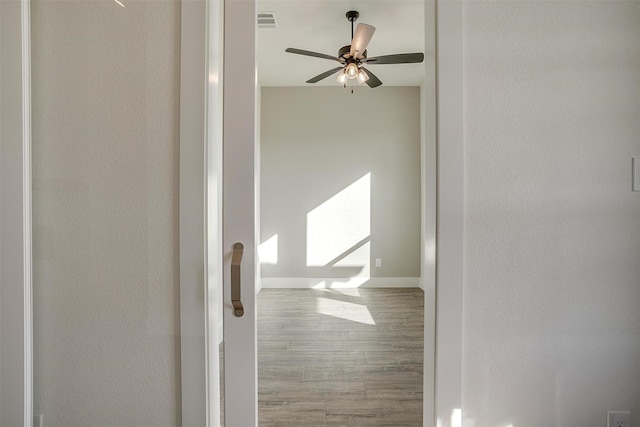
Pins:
<point x="14" y="369"/>
<point x="105" y="169"/>
<point x="318" y="142"/>
<point x="552" y="229"/>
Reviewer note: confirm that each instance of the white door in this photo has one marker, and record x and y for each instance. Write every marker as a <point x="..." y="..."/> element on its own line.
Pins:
<point x="239" y="214"/>
<point x="219" y="374"/>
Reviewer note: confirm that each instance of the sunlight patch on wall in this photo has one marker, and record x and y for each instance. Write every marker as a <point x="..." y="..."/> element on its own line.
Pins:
<point x="455" y="421"/>
<point x="430" y="250"/>
<point x="268" y="251"/>
<point x="357" y="258"/>
<point x="344" y="310"/>
<point x="456" y="418"/>
<point x="339" y="224"/>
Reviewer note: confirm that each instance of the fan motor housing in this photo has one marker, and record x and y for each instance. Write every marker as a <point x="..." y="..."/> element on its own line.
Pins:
<point x="346" y="50"/>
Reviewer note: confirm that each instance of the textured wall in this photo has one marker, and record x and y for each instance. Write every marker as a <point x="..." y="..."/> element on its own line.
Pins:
<point x="552" y="229"/>
<point x="317" y="142"/>
<point x="105" y="144"/>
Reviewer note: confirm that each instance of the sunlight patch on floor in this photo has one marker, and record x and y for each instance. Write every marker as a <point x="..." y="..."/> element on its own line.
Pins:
<point x="346" y="283"/>
<point x="344" y="310"/>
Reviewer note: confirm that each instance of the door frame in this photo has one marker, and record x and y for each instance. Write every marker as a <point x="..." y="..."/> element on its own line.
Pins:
<point x="447" y="403"/>
<point x="16" y="384"/>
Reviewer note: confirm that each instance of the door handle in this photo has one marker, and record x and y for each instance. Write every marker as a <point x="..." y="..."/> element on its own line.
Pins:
<point x="236" y="259"/>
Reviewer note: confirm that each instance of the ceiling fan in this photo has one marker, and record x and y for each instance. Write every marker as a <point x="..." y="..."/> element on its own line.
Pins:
<point x="353" y="57"/>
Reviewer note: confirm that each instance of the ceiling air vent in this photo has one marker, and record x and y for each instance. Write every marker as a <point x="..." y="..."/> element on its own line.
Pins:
<point x="266" y="20"/>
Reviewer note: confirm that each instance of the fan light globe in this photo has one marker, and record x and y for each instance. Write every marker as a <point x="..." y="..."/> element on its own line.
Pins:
<point x="362" y="77"/>
<point x="352" y="71"/>
<point x="342" y="77"/>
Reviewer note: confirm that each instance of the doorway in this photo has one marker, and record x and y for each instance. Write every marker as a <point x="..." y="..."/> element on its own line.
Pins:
<point x="343" y="209"/>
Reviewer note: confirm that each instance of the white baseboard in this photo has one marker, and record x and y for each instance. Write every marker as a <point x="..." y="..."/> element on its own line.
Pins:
<point x="338" y="282"/>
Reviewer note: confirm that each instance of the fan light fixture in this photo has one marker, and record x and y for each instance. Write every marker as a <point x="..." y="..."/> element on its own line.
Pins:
<point x="342" y="78"/>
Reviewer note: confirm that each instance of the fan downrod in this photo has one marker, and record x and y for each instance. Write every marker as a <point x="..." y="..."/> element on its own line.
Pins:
<point x="352" y="15"/>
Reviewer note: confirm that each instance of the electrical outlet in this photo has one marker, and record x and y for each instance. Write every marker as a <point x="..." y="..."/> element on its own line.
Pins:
<point x="378" y="262"/>
<point x="37" y="420"/>
<point x="618" y="419"/>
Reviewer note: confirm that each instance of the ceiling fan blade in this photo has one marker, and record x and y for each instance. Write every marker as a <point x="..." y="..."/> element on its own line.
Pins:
<point x="399" y="58"/>
<point x="324" y="75"/>
<point x="373" y="80"/>
<point x="309" y="53"/>
<point x="361" y="39"/>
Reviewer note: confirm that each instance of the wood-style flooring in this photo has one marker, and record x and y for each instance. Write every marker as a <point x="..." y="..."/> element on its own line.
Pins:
<point x="350" y="357"/>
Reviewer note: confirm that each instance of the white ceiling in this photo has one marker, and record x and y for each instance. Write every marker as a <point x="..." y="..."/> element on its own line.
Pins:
<point x="321" y="26"/>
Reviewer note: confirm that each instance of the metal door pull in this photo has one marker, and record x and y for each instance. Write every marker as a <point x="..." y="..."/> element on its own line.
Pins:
<point x="236" y="259"/>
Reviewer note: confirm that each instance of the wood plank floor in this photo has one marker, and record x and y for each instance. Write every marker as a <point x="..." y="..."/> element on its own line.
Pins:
<point x="350" y="357"/>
